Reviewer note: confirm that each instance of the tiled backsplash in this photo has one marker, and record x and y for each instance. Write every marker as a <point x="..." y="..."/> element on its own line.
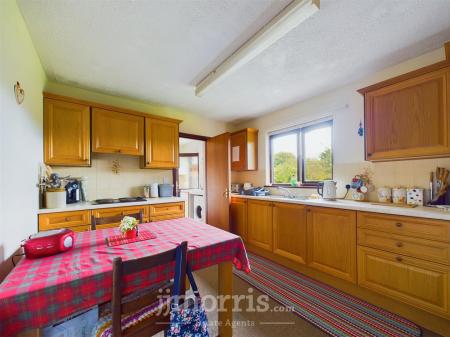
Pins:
<point x="407" y="173"/>
<point x="102" y="182"/>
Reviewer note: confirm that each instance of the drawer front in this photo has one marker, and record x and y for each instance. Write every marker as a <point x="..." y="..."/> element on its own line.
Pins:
<point x="81" y="228"/>
<point x="405" y="245"/>
<point x="166" y="209"/>
<point x="419" y="283"/>
<point x="404" y="225"/>
<point x="167" y="217"/>
<point x="116" y="211"/>
<point x="63" y="220"/>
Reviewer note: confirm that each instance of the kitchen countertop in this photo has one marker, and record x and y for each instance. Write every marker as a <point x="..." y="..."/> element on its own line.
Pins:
<point x="81" y="206"/>
<point x="420" y="211"/>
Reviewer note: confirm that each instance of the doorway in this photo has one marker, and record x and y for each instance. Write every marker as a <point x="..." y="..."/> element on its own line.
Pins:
<point x="191" y="176"/>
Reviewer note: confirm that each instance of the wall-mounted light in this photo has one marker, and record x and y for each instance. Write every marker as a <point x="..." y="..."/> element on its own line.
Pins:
<point x="19" y="93"/>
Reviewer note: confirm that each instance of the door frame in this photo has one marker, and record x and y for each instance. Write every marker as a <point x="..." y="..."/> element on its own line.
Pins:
<point x="175" y="170"/>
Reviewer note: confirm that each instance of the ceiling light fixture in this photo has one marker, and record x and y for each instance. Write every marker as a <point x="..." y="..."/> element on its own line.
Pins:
<point x="289" y="18"/>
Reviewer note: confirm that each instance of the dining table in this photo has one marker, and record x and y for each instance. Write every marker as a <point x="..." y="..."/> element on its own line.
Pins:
<point x="44" y="291"/>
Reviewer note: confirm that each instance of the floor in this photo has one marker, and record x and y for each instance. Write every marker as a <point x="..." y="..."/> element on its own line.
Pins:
<point x="259" y="324"/>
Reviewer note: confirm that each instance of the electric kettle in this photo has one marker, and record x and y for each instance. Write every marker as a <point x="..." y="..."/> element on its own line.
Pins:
<point x="327" y="189"/>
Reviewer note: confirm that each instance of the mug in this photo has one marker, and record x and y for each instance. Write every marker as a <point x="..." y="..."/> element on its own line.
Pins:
<point x="384" y="194"/>
<point x="399" y="195"/>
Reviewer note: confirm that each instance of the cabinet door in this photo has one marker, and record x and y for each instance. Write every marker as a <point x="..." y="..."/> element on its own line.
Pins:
<point x="75" y="219"/>
<point x="289" y="231"/>
<point x="66" y="133"/>
<point x="259" y="231"/>
<point x="117" y="132"/>
<point x="116" y="211"/>
<point x="166" y="211"/>
<point x="332" y="241"/>
<point x="162" y="143"/>
<point x="409" y="119"/>
<point x="244" y="150"/>
<point x="413" y="281"/>
<point x="238" y="217"/>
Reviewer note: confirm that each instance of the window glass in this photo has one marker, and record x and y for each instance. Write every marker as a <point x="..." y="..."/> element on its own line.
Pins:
<point x="317" y="162"/>
<point x="188" y="173"/>
<point x="302" y="155"/>
<point x="284" y="158"/>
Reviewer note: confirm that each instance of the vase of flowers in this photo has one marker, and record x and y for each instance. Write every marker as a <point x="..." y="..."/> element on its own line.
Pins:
<point x="129" y="227"/>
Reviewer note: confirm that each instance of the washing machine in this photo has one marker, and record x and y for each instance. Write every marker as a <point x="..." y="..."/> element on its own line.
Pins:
<point x="199" y="208"/>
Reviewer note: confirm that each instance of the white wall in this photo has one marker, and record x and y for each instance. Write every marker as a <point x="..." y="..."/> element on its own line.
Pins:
<point x="20" y="130"/>
<point x="346" y="107"/>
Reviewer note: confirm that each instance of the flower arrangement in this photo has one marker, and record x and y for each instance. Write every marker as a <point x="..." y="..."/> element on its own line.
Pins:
<point x="128" y="224"/>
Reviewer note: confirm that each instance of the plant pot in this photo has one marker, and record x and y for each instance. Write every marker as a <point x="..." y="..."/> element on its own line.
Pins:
<point x="131" y="234"/>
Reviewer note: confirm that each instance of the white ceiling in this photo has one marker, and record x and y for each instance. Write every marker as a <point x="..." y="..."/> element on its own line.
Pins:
<point x="157" y="50"/>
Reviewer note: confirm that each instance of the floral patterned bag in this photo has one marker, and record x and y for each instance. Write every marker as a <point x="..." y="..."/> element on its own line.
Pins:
<point x="189" y="318"/>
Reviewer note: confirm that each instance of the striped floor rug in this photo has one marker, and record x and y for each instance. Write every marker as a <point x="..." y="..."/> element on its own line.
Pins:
<point x="336" y="313"/>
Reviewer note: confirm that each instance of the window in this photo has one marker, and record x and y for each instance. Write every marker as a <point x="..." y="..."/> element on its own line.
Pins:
<point x="188" y="172"/>
<point x="302" y="155"/>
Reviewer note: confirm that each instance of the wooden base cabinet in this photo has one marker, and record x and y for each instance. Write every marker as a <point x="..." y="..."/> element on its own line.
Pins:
<point x="417" y="282"/>
<point x="332" y="241"/>
<point x="289" y="231"/>
<point x="117" y="211"/>
<point x="238" y="217"/>
<point x="259" y="222"/>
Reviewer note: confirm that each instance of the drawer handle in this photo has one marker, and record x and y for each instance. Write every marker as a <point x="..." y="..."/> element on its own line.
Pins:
<point x="398" y="224"/>
<point x="67" y="219"/>
<point x="399" y="244"/>
<point x="399" y="258"/>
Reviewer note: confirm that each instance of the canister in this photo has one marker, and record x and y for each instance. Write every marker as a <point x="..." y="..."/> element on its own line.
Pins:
<point x="55" y="198"/>
<point x="399" y="195"/>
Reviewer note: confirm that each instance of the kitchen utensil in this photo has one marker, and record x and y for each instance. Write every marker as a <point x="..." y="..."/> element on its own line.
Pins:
<point x="327" y="189"/>
<point x="399" y="195"/>
<point x="384" y="194"/>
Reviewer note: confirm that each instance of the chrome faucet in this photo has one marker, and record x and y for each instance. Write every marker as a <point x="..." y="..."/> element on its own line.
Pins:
<point x="289" y="193"/>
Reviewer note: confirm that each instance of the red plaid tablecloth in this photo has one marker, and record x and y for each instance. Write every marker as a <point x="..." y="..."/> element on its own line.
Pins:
<point x="40" y="292"/>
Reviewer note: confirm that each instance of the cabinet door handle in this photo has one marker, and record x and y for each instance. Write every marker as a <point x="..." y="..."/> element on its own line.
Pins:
<point x="369" y="154"/>
<point x="398" y="224"/>
<point x="67" y="219"/>
<point x="399" y="258"/>
<point x="399" y="244"/>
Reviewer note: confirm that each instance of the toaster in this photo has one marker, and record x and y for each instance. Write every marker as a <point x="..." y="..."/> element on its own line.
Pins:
<point x="49" y="243"/>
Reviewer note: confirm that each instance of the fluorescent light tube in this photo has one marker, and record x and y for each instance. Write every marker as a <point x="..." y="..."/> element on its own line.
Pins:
<point x="289" y="18"/>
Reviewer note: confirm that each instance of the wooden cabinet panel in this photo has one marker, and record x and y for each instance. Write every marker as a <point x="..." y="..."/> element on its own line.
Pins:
<point x="238" y="217"/>
<point x="332" y="241"/>
<point x="162" y="143"/>
<point x="420" y="283"/>
<point x="259" y="224"/>
<point x="59" y="220"/>
<point x="289" y="231"/>
<point x="424" y="249"/>
<point x="409" y="119"/>
<point x="116" y="211"/>
<point x="66" y="133"/>
<point x="166" y="211"/>
<point x="244" y="150"/>
<point x="404" y="225"/>
<point x="117" y="132"/>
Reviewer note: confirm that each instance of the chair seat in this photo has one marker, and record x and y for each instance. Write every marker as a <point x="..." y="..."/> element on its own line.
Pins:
<point x="103" y="328"/>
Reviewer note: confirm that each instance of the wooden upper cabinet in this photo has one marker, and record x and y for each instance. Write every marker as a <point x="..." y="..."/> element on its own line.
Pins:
<point x="162" y="143"/>
<point x="117" y="132"/>
<point x="259" y="224"/>
<point x="289" y="231"/>
<point x="244" y="150"/>
<point x="66" y="133"/>
<point x="332" y="241"/>
<point x="409" y="118"/>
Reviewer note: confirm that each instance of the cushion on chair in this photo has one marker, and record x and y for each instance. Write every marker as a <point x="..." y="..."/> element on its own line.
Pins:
<point x="103" y="328"/>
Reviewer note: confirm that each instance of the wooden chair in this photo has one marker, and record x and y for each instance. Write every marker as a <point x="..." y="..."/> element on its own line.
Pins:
<point x="114" y="219"/>
<point x="124" y="307"/>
